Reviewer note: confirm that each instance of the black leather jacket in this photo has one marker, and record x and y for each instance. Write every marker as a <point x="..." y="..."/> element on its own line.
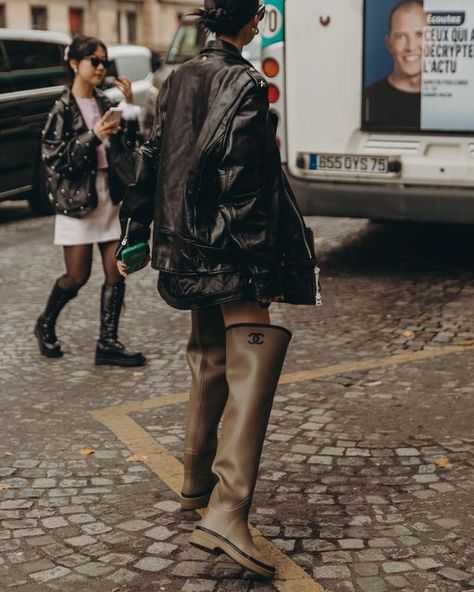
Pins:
<point x="70" y="157"/>
<point x="210" y="176"/>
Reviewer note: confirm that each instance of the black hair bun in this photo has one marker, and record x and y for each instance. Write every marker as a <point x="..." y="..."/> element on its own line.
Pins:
<point x="225" y="17"/>
<point x="217" y="20"/>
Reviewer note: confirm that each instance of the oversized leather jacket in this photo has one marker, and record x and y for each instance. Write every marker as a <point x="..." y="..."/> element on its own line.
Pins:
<point x="70" y="157"/>
<point x="210" y="177"/>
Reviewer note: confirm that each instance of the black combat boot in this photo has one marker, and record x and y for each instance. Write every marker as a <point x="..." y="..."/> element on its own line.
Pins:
<point x="109" y="351"/>
<point x="45" y="328"/>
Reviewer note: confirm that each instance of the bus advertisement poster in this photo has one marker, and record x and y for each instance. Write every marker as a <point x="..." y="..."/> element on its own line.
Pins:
<point x="418" y="65"/>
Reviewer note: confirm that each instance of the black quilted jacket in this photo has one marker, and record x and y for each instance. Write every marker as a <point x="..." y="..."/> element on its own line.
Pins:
<point x="210" y="178"/>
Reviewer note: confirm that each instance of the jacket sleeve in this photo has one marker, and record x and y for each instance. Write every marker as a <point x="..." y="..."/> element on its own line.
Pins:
<point x="138" y="204"/>
<point x="64" y="152"/>
<point x="130" y="126"/>
<point x="248" y="209"/>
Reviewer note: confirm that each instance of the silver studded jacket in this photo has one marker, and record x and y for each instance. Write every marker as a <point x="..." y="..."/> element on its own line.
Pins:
<point x="70" y="158"/>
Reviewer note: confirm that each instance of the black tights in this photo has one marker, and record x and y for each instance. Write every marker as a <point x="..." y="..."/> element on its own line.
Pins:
<point x="78" y="260"/>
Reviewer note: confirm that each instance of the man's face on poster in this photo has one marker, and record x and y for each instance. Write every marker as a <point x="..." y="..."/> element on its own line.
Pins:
<point x="405" y="40"/>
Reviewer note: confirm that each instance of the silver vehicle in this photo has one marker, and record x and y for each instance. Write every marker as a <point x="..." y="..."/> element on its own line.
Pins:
<point x="134" y="62"/>
<point x="187" y="43"/>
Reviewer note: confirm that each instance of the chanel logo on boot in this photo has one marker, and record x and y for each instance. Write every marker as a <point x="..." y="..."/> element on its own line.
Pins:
<point x="256" y="338"/>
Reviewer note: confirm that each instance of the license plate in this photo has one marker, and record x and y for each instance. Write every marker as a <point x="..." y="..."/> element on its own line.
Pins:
<point x="351" y="163"/>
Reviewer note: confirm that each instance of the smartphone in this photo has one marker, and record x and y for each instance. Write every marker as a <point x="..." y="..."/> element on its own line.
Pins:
<point x="114" y="114"/>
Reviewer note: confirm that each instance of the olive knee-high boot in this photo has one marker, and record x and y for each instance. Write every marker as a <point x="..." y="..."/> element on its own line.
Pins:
<point x="110" y="351"/>
<point x="207" y="398"/>
<point x="255" y="355"/>
<point x="45" y="328"/>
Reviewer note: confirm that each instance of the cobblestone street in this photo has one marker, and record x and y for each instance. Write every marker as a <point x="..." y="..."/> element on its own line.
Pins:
<point x="367" y="476"/>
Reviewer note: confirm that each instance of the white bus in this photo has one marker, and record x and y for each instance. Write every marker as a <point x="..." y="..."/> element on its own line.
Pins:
<point x="375" y="102"/>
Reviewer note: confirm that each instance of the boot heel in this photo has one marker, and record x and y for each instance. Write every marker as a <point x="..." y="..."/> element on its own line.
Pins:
<point x="101" y="361"/>
<point x="216" y="544"/>
<point x="118" y="358"/>
<point x="205" y="542"/>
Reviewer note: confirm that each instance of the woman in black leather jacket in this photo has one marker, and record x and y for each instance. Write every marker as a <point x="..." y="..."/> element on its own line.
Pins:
<point x="88" y="163"/>
<point x="228" y="240"/>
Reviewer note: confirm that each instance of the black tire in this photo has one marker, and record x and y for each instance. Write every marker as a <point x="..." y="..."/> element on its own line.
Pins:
<point x="38" y="198"/>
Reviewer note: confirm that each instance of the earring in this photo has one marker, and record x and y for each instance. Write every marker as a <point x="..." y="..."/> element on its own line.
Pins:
<point x="255" y="31"/>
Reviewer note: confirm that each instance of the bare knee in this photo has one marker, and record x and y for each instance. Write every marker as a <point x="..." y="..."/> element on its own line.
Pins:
<point x="247" y="311"/>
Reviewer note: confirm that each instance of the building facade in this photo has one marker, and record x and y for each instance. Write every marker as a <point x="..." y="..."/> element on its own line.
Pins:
<point x="144" y="22"/>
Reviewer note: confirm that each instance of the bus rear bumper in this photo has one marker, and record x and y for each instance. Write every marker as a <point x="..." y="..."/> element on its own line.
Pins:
<point x="384" y="202"/>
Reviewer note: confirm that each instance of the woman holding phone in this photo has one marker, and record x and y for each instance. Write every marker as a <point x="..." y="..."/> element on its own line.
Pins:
<point x="87" y="151"/>
<point x="228" y="240"/>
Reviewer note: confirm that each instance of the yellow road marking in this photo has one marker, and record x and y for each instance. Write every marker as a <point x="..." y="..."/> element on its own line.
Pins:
<point x="159" y="458"/>
<point x="137" y="406"/>
<point x="395" y="360"/>
<point x="291" y="577"/>
<point x="301" y="376"/>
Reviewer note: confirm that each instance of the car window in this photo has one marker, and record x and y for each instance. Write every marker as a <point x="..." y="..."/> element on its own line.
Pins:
<point x="5" y="78"/>
<point x="187" y="43"/>
<point x="35" y="64"/>
<point x="134" y="67"/>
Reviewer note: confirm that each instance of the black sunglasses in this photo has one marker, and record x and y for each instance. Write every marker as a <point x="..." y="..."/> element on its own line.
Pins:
<point x="95" y="61"/>
<point x="261" y="12"/>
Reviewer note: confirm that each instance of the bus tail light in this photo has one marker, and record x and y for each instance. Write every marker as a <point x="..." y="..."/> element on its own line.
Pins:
<point x="271" y="67"/>
<point x="273" y="93"/>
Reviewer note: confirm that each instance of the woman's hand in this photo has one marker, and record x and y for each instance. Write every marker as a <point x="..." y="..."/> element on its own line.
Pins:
<point x="125" y="87"/>
<point x="122" y="268"/>
<point x="106" y="127"/>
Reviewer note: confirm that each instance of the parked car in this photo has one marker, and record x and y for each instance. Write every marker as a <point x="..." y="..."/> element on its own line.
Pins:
<point x="186" y="44"/>
<point x="32" y="77"/>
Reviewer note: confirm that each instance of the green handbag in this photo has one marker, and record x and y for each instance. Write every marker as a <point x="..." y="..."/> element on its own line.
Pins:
<point x="133" y="257"/>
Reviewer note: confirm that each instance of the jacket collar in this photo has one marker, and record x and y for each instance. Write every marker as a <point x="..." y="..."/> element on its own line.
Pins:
<point x="68" y="99"/>
<point x="222" y="46"/>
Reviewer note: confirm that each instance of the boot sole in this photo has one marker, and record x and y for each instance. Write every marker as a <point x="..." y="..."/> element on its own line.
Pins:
<point x="103" y="361"/>
<point x="194" y="503"/>
<point x="214" y="543"/>
<point x="46" y="352"/>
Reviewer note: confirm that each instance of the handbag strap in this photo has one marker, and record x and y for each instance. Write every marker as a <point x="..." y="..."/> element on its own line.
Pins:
<point x="124" y="242"/>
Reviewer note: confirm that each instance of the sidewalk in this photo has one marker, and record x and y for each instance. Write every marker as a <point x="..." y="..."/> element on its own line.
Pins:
<point x="367" y="476"/>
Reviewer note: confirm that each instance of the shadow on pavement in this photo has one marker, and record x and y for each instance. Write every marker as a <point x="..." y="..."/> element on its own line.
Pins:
<point x="14" y="211"/>
<point x="391" y="246"/>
